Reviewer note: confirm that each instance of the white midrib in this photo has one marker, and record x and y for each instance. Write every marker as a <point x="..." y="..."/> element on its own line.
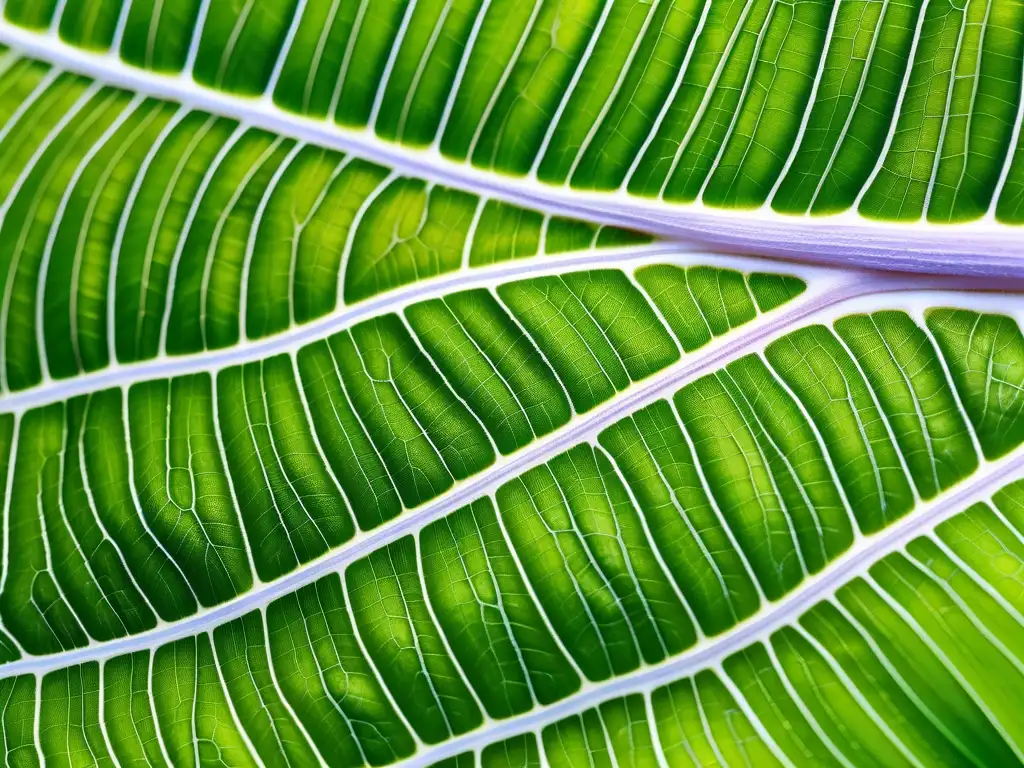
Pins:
<point x="977" y="248"/>
<point x="710" y="652"/>
<point x="716" y="354"/>
<point x="289" y="340"/>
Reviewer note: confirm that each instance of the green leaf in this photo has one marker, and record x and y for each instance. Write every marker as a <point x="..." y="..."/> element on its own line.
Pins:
<point x="370" y="393"/>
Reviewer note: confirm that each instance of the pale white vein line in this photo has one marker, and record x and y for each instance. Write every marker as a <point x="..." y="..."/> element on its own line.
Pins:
<point x="76" y="271"/>
<point x="970" y="614"/>
<point x="762" y="598"/>
<point x="506" y="468"/>
<point x="360" y="420"/>
<point x="889" y="430"/>
<point x="456" y="663"/>
<point x="978" y="580"/>
<point x="122" y="227"/>
<point x="495" y="373"/>
<point x="197" y="35"/>
<point x="894" y="121"/>
<point x="103" y="669"/>
<point x="862" y="432"/>
<point x="389" y="66"/>
<point x="754" y="720"/>
<point x="950" y="88"/>
<point x="741" y="102"/>
<point x="499" y="599"/>
<point x="1011" y="151"/>
<point x="798" y="140"/>
<point x="102" y="700"/>
<point x="151" y="702"/>
<point x="58" y="16"/>
<point x="10" y="692"/>
<point x="421" y="66"/>
<point x="58" y="219"/>
<point x="101" y="526"/>
<point x="624" y="71"/>
<point x="1015" y="658"/>
<point x="528" y="585"/>
<point x="655" y="550"/>
<point x="219" y="669"/>
<point x="542" y="242"/>
<point x="417" y="646"/>
<point x="346" y="60"/>
<point x="279" y="461"/>
<point x="854" y="104"/>
<point x="357" y="636"/>
<point x="922" y="419"/>
<point x="95" y="113"/>
<point x="195" y="691"/>
<point x="570" y="89"/>
<point x="137" y="502"/>
<point x="670" y="99"/>
<point x="709" y="92"/>
<point x="318" y="56"/>
<point x="211" y="251"/>
<point x="822" y="446"/>
<point x="417" y="344"/>
<point x="154" y="25"/>
<point x="272" y="671"/>
<point x="84" y="98"/>
<point x="705" y="725"/>
<point x="392" y="382"/>
<point x="238" y="509"/>
<point x="42" y="89"/>
<point x="261" y="699"/>
<point x="258" y="220"/>
<point x="308" y="414"/>
<point x="934" y="647"/>
<point x="951" y="387"/>
<point x="232" y="41"/>
<point x="632" y="280"/>
<point x="809" y="716"/>
<point x="627" y="559"/>
<point x="697" y="538"/>
<point x="858" y="696"/>
<point x="965" y="146"/>
<point x="591" y="562"/>
<point x="322" y="678"/>
<point x="44" y="539"/>
<point x="286" y="48"/>
<point x="467" y="246"/>
<point x="606" y="740"/>
<point x="193" y="212"/>
<point x="154" y="232"/>
<point x="299" y="229"/>
<point x="353" y="229"/>
<point x="904" y="686"/>
<point x="784" y="509"/>
<point x="37" y="740"/>
<point x="967" y="249"/>
<point x="8" y="59"/>
<point x="8" y="490"/>
<point x="652" y="727"/>
<point x="506" y="73"/>
<point x="119" y="28"/>
<point x="852" y="563"/>
<point x="460" y="73"/>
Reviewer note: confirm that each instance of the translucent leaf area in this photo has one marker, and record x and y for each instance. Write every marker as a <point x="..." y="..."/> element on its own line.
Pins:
<point x="898" y="110"/>
<point x="361" y="403"/>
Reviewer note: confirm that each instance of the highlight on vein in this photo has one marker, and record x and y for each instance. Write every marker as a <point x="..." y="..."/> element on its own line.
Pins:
<point x="511" y="383"/>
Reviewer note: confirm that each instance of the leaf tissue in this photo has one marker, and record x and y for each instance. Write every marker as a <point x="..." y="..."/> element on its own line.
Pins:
<point x="512" y="383"/>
